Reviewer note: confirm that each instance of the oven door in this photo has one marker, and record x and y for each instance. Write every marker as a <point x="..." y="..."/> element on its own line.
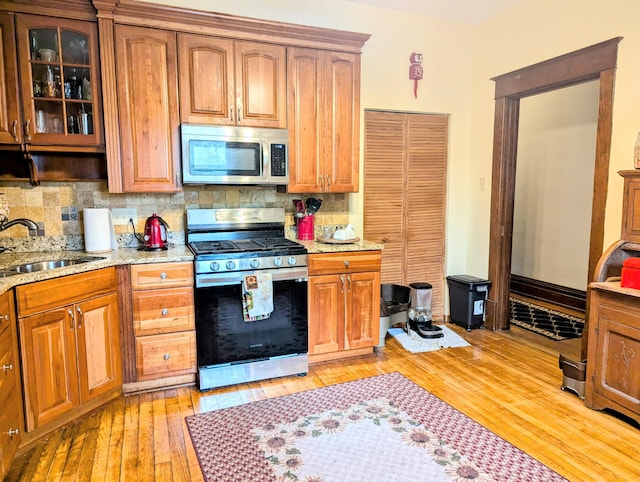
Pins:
<point x="222" y="335"/>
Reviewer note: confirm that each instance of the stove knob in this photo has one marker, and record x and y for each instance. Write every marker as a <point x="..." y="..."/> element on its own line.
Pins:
<point x="255" y="263"/>
<point x="215" y="266"/>
<point x="277" y="262"/>
<point x="231" y="265"/>
<point x="292" y="260"/>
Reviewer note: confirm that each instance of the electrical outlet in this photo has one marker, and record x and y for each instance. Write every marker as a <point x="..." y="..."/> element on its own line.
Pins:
<point x="121" y="216"/>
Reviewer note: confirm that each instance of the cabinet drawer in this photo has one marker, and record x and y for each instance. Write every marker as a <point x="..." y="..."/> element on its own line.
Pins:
<point x="160" y="356"/>
<point x="163" y="311"/>
<point x="53" y="293"/>
<point x="344" y="262"/>
<point x="161" y="275"/>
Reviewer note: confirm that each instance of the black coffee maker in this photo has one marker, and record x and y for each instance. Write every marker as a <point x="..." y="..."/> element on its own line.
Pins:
<point x="419" y="314"/>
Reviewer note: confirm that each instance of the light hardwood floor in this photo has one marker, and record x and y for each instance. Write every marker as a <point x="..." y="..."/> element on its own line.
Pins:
<point x="507" y="382"/>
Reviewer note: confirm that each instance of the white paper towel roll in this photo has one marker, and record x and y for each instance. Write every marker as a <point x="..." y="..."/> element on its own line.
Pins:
<point x="99" y="235"/>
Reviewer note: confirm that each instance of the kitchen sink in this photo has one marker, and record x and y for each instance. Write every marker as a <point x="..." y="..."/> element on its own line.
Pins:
<point x="46" y="265"/>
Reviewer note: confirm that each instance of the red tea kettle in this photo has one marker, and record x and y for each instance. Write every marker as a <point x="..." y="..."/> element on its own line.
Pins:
<point x="155" y="233"/>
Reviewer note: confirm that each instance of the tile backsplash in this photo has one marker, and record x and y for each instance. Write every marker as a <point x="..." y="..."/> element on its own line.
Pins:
<point x="57" y="209"/>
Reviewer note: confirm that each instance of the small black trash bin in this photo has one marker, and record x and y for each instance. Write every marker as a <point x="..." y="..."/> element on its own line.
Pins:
<point x="394" y="303"/>
<point x="467" y="297"/>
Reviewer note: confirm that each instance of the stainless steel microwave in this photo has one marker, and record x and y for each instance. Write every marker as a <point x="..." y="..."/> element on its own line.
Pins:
<point x="234" y="155"/>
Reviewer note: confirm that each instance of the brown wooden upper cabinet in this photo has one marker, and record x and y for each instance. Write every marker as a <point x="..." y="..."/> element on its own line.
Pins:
<point x="229" y="82"/>
<point x="324" y="120"/>
<point x="148" y="119"/>
<point x="50" y="85"/>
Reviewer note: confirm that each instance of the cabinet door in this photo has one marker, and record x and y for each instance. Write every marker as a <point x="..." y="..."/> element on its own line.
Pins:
<point x="48" y="365"/>
<point x="326" y="313"/>
<point x="261" y="85"/>
<point x="614" y="362"/>
<point x="342" y="99"/>
<point x="10" y="119"/>
<point x="146" y="70"/>
<point x="305" y="118"/>
<point x="98" y="341"/>
<point x="207" y="94"/>
<point x="324" y="120"/>
<point x="59" y="81"/>
<point x="363" y="310"/>
<point x="11" y="418"/>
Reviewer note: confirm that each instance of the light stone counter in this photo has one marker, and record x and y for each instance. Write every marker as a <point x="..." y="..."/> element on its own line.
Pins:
<point x="314" y="247"/>
<point x="122" y="256"/>
<point x="125" y="256"/>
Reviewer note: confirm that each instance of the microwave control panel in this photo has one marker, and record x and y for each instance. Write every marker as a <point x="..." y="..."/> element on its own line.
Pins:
<point x="278" y="160"/>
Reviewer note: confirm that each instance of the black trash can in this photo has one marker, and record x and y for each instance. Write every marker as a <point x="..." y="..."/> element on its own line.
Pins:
<point x="467" y="297"/>
<point x="394" y="303"/>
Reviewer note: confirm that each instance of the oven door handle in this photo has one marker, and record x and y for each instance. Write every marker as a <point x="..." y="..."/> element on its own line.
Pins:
<point x="225" y="279"/>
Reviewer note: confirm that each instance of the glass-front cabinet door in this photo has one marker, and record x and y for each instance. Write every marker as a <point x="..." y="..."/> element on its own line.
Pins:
<point x="60" y="82"/>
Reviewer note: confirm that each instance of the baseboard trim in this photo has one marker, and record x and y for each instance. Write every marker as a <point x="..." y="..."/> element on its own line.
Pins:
<point x="549" y="292"/>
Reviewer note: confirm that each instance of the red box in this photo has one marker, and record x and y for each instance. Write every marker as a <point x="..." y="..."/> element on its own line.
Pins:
<point x="630" y="273"/>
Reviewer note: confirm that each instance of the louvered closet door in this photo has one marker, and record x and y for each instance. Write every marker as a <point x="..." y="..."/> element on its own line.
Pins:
<point x="384" y="153"/>
<point x="404" y="196"/>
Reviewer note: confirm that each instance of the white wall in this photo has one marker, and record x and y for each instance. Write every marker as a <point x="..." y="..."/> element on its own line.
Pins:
<point x="536" y="30"/>
<point x="459" y="61"/>
<point x="554" y="185"/>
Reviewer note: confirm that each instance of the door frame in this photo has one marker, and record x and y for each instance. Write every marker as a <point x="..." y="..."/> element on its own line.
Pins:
<point x="591" y="63"/>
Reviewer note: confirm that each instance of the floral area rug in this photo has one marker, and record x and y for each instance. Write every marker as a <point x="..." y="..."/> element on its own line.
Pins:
<point x="374" y="429"/>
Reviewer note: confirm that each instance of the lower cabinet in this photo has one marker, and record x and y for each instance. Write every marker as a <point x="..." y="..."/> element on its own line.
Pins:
<point x="164" y="322"/>
<point x="613" y="358"/>
<point x="344" y="304"/>
<point x="11" y="417"/>
<point x="70" y="344"/>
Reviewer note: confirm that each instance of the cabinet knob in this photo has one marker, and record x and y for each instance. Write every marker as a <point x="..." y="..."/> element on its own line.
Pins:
<point x="7" y="368"/>
<point x="163" y="275"/>
<point x="166" y="356"/>
<point x="346" y="262"/>
<point x="165" y="312"/>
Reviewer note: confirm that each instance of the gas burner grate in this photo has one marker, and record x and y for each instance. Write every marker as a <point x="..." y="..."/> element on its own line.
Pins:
<point x="201" y="247"/>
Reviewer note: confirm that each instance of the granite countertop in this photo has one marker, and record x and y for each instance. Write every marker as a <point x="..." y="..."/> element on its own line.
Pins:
<point x="126" y="256"/>
<point x="314" y="247"/>
<point x="122" y="256"/>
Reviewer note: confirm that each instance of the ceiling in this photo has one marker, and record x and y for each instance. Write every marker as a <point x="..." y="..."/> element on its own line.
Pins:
<point x="463" y="11"/>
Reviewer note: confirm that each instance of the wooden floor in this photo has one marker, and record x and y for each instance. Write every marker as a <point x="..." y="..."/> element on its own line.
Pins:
<point x="507" y="382"/>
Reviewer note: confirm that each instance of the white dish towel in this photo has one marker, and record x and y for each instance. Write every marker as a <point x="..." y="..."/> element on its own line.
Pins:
<point x="257" y="296"/>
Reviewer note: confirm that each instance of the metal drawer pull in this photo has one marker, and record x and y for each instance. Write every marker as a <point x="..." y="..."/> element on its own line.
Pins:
<point x="81" y="317"/>
<point x="4" y="317"/>
<point x="166" y="356"/>
<point x="165" y="312"/>
<point x="12" y="432"/>
<point x="7" y="367"/>
<point x="163" y="275"/>
<point x="73" y="318"/>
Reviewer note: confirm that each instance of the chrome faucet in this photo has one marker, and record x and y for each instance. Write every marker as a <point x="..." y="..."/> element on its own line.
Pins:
<point x="6" y="224"/>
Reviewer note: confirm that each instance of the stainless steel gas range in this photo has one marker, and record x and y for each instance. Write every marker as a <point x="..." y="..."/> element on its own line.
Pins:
<point x="233" y="248"/>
